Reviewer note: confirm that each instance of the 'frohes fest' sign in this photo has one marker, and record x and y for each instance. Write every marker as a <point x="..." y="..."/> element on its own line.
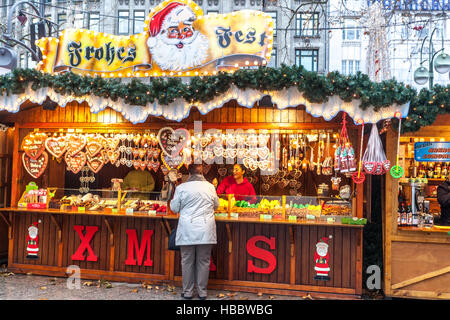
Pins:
<point x="178" y="40"/>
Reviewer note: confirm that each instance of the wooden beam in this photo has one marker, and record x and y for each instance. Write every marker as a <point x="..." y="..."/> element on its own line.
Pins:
<point x="230" y="251"/>
<point x="5" y="219"/>
<point x="292" y="259"/>
<point x="421" y="294"/>
<point x="16" y="166"/>
<point x="52" y="217"/>
<point x="420" y="278"/>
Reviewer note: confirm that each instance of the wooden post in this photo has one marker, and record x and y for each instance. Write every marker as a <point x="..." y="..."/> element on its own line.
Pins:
<point x="60" y="243"/>
<point x="111" y="244"/>
<point x="16" y="168"/>
<point x="283" y="203"/>
<point x="292" y="259"/>
<point x="230" y="252"/>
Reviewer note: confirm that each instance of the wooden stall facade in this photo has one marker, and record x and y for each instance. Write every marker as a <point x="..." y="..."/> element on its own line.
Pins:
<point x="294" y="242"/>
<point x="6" y="147"/>
<point x="416" y="262"/>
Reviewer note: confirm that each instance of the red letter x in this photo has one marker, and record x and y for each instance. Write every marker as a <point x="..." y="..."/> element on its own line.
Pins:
<point x="85" y="240"/>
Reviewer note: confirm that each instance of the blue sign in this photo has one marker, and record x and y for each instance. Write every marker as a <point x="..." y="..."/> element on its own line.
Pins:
<point x="432" y="151"/>
<point x="413" y="5"/>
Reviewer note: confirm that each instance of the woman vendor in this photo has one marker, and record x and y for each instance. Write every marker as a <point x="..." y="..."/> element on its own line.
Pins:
<point x="237" y="185"/>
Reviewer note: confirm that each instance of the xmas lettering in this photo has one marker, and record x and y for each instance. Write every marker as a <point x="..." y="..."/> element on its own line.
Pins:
<point x="261" y="254"/>
<point x="85" y="243"/>
<point x="107" y="52"/>
<point x="225" y="36"/>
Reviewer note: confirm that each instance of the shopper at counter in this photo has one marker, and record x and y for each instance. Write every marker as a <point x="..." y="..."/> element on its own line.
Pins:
<point x="195" y="200"/>
<point x="237" y="185"/>
<point x="443" y="197"/>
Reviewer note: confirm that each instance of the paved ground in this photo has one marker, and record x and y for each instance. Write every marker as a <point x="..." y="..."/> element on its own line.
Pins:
<point x="33" y="287"/>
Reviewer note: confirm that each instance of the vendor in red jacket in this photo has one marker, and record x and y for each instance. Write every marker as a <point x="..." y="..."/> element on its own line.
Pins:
<point x="237" y="185"/>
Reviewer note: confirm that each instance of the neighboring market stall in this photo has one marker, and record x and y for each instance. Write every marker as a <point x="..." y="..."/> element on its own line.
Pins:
<point x="417" y="250"/>
<point x="298" y="134"/>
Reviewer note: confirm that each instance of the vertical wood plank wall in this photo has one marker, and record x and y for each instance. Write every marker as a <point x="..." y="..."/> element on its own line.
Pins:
<point x="6" y="145"/>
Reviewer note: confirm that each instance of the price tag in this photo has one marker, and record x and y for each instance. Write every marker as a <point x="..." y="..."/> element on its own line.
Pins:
<point x="152" y="212"/>
<point x="330" y="220"/>
<point x="114" y="210"/>
<point x="292" y="218"/>
<point x="129" y="210"/>
<point x="234" y="215"/>
<point x="81" y="209"/>
<point x="265" y="217"/>
<point x="310" y="217"/>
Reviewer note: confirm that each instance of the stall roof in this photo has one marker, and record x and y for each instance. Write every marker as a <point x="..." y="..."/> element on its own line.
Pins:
<point x="180" y="109"/>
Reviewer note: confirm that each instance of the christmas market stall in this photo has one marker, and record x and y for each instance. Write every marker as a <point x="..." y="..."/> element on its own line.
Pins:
<point x="416" y="237"/>
<point x="96" y="160"/>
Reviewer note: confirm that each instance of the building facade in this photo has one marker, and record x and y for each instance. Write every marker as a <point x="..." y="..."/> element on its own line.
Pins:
<point x="409" y="25"/>
<point x="299" y="35"/>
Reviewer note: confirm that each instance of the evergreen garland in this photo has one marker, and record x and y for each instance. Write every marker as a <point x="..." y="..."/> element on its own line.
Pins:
<point x="424" y="106"/>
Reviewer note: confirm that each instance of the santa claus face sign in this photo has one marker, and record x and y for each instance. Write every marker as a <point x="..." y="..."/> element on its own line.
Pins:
<point x="173" y="42"/>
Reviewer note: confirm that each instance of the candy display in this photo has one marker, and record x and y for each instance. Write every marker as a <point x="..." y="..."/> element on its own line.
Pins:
<point x="374" y="159"/>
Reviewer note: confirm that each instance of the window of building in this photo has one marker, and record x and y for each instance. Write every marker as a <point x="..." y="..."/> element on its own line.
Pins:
<point x="61" y="20"/>
<point x="307" y="24"/>
<point x="350" y="31"/>
<point x="78" y="21"/>
<point x="123" y="25"/>
<point x="138" y="22"/>
<point x="308" y="58"/>
<point x="350" y="67"/>
<point x="94" y="21"/>
<point x="273" y="58"/>
<point x="274" y="15"/>
<point x="22" y="60"/>
<point x="212" y="11"/>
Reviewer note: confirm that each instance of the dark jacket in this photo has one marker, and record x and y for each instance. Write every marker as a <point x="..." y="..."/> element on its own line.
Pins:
<point x="443" y="197"/>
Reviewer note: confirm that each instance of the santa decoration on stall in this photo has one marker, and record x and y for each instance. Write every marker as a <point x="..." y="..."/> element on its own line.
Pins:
<point x="173" y="42"/>
<point x="322" y="260"/>
<point x="33" y="241"/>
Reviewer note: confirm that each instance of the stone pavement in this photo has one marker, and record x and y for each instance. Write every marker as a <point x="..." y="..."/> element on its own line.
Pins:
<point x="35" y="287"/>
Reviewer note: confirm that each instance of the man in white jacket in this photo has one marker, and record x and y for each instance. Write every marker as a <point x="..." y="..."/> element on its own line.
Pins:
<point x="195" y="200"/>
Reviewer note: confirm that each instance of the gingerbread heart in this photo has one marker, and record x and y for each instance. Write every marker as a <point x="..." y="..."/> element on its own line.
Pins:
<point x="253" y="165"/>
<point x="93" y="148"/>
<point x="34" y="144"/>
<point x="263" y="153"/>
<point x="113" y="155"/>
<point x="137" y="139"/>
<point x="76" y="162"/>
<point x="172" y="162"/>
<point x="56" y="146"/>
<point x="263" y="165"/>
<point x="153" y="165"/>
<point x="95" y="163"/>
<point x="35" y="167"/>
<point x="230" y="153"/>
<point x="135" y="152"/>
<point x="142" y="152"/>
<point x="253" y="153"/>
<point x="113" y="143"/>
<point x="137" y="164"/>
<point x="241" y="152"/>
<point x="172" y="141"/>
<point x="143" y="164"/>
<point x="386" y="165"/>
<point x="369" y="167"/>
<point x="155" y="152"/>
<point x="164" y="170"/>
<point x="218" y="151"/>
<point x="76" y="143"/>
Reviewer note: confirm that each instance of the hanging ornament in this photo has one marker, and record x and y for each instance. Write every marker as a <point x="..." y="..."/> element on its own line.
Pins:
<point x="359" y="177"/>
<point x="374" y="159"/>
<point x="397" y="171"/>
<point x="344" y="160"/>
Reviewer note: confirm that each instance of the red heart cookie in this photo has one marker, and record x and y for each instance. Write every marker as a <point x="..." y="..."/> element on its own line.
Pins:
<point x="35" y="167"/>
<point x="95" y="163"/>
<point x="76" y="162"/>
<point x="56" y="146"/>
<point x="76" y="143"/>
<point x="34" y="144"/>
<point x="113" y="155"/>
<point x="93" y="148"/>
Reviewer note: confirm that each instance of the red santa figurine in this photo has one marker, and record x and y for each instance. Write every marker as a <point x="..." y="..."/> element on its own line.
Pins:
<point x="322" y="260"/>
<point x="33" y="241"/>
<point x="173" y="42"/>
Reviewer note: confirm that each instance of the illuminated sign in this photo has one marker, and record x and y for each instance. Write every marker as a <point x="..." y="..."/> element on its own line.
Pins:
<point x="432" y="151"/>
<point x="177" y="41"/>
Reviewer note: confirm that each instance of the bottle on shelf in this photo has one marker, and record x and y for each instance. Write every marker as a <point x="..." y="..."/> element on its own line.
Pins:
<point x="444" y="170"/>
<point x="409" y="215"/>
<point x="422" y="171"/>
<point x="415" y="218"/>
<point x="403" y="214"/>
<point x="437" y="170"/>
<point x="430" y="170"/>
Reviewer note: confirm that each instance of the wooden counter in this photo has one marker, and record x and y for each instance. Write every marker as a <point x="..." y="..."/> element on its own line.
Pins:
<point x="120" y="247"/>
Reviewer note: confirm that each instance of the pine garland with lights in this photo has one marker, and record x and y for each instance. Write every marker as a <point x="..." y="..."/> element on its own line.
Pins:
<point x="424" y="106"/>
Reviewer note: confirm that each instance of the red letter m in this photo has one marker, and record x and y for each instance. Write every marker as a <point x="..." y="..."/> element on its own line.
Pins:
<point x="133" y="244"/>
